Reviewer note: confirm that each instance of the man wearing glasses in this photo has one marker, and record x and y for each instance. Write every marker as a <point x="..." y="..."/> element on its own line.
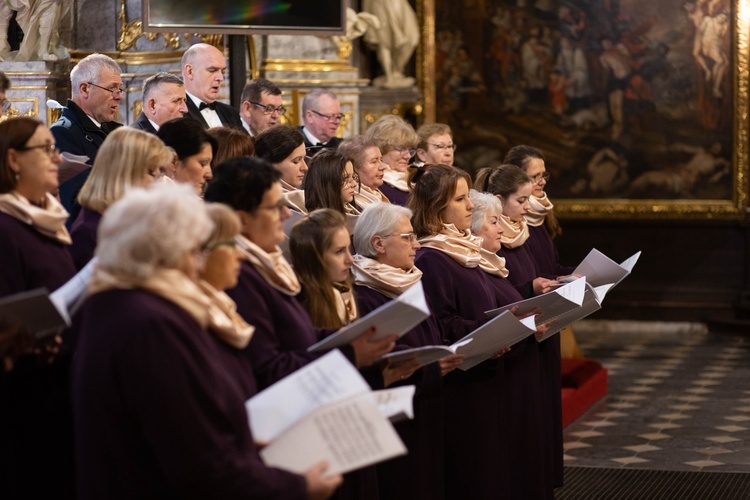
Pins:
<point x="322" y="116"/>
<point x="261" y="106"/>
<point x="90" y="114"/>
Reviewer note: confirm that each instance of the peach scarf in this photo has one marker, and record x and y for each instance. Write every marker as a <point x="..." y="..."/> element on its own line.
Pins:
<point x="272" y="266"/>
<point x="48" y="219"/>
<point x="367" y="196"/>
<point x="540" y="207"/>
<point x="515" y="234"/>
<point x="388" y="280"/>
<point x="465" y="249"/>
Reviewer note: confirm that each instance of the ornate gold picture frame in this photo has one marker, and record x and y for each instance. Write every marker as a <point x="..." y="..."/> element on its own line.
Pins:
<point x="640" y="107"/>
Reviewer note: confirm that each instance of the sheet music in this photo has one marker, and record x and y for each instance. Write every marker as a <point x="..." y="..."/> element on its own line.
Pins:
<point x="500" y="332"/>
<point x="69" y="297"/>
<point x="329" y="378"/>
<point x="601" y="270"/>
<point x="397" y="316"/>
<point x="424" y="355"/>
<point x="349" y="434"/>
<point x="396" y="404"/>
<point x="551" y="304"/>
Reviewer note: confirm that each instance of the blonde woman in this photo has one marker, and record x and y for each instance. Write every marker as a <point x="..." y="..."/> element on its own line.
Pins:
<point x="128" y="158"/>
<point x="397" y="141"/>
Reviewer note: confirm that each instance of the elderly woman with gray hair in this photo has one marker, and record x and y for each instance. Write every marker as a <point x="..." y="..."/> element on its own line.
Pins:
<point x="159" y="411"/>
<point x="383" y="269"/>
<point x="527" y="436"/>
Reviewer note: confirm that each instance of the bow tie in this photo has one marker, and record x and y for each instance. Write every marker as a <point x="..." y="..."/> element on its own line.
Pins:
<point x="207" y="105"/>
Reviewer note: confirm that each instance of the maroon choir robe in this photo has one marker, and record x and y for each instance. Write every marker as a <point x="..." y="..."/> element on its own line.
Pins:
<point x="160" y="408"/>
<point x="419" y="474"/>
<point x="476" y="451"/>
<point x="83" y="233"/>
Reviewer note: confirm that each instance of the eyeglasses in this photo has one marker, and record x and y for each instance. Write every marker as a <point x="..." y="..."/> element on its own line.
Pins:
<point x="404" y="150"/>
<point x="280" y="207"/>
<point x="350" y="179"/>
<point x="441" y="147"/>
<point x="118" y="92"/>
<point x="330" y="118"/>
<point x="50" y="149"/>
<point x="408" y="237"/>
<point x="538" y="177"/>
<point x="269" y="110"/>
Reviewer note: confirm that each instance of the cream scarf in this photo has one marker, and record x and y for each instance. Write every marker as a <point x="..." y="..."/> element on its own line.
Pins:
<point x="272" y="266"/>
<point x="465" y="249"/>
<point x="170" y="284"/>
<point x="397" y="179"/>
<point x="515" y="234"/>
<point x="388" y="280"/>
<point x="346" y="305"/>
<point x="223" y="318"/>
<point x="540" y="207"/>
<point x="367" y="196"/>
<point x="48" y="219"/>
<point x="293" y="197"/>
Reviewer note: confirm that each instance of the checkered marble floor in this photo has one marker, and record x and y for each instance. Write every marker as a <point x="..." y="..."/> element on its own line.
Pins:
<point x="679" y="399"/>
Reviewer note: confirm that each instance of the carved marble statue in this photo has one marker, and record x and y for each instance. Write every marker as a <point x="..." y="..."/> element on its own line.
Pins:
<point x="39" y="20"/>
<point x="394" y="41"/>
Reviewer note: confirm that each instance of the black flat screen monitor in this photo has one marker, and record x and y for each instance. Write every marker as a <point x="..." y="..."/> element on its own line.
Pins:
<point x="245" y="17"/>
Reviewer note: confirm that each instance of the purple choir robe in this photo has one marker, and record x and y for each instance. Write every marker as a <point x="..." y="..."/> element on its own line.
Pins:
<point x="419" y="474"/>
<point x="539" y="362"/>
<point x="30" y="259"/>
<point x="475" y="438"/>
<point x="283" y="332"/>
<point x="83" y="233"/>
<point x="35" y="416"/>
<point x="160" y="408"/>
<point x="395" y="195"/>
<point x="545" y="252"/>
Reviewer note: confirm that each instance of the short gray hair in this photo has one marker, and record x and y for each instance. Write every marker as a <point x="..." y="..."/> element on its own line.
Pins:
<point x="483" y="203"/>
<point x="310" y="100"/>
<point x="378" y="218"/>
<point x="152" y="228"/>
<point x="154" y="81"/>
<point x="89" y="69"/>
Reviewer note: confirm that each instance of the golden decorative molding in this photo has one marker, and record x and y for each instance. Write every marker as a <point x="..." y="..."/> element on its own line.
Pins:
<point x="132" y="31"/>
<point x="252" y="72"/>
<point x="426" y="59"/>
<point x="132" y="58"/>
<point x="306" y="65"/>
<point x="13" y="112"/>
<point x="137" y="108"/>
<point x="320" y="81"/>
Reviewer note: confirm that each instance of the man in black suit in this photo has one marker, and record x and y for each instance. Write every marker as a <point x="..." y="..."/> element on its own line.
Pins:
<point x="261" y="106"/>
<point x="322" y="115"/>
<point x="203" y="67"/>
<point x="163" y="99"/>
<point x="96" y="88"/>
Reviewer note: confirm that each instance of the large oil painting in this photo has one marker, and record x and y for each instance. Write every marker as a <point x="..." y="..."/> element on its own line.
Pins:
<point x="640" y="106"/>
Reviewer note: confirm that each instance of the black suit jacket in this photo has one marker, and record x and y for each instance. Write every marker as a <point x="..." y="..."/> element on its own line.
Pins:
<point x="75" y="133"/>
<point x="142" y="123"/>
<point x="314" y="148"/>
<point x="229" y="116"/>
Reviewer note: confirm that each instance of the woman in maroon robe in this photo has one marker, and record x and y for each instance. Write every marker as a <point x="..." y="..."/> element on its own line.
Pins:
<point x="159" y="404"/>
<point x="457" y="279"/>
<point x="383" y="269"/>
<point x="543" y="228"/>
<point x="128" y="158"/>
<point x="35" y="417"/>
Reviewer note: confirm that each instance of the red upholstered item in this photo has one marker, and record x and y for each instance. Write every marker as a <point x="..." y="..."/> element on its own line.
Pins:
<point x="584" y="382"/>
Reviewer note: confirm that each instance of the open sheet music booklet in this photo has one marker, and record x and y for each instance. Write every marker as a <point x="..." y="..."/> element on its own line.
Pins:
<point x="397" y="316"/>
<point x="602" y="275"/>
<point x="326" y="410"/>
